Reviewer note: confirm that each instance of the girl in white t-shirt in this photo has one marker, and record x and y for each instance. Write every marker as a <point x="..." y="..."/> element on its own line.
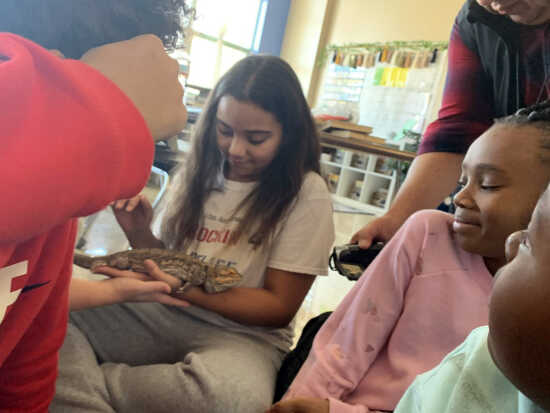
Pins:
<point x="249" y="196"/>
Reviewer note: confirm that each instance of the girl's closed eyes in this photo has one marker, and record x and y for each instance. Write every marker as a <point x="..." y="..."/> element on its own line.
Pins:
<point x="254" y="137"/>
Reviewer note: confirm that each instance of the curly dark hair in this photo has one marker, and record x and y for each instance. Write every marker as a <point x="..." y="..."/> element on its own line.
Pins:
<point x="75" y="26"/>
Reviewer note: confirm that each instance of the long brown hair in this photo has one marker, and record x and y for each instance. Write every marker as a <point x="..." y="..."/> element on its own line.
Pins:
<point x="270" y="83"/>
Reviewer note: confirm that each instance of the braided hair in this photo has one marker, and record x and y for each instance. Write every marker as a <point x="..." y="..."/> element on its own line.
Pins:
<point x="537" y="112"/>
<point x="537" y="116"/>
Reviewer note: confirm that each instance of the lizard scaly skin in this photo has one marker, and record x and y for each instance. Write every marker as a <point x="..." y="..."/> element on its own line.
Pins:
<point x="191" y="271"/>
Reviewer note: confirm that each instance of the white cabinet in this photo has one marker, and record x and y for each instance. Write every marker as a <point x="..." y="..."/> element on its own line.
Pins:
<point x="358" y="180"/>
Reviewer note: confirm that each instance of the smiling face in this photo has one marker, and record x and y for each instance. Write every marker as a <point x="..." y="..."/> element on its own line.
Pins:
<point x="530" y="12"/>
<point x="502" y="178"/>
<point x="519" y="310"/>
<point x="248" y="136"/>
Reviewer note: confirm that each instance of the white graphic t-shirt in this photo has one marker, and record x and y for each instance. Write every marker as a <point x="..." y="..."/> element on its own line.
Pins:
<point x="301" y="244"/>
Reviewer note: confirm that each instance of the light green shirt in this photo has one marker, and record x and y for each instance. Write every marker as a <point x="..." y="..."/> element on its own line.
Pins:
<point x="467" y="380"/>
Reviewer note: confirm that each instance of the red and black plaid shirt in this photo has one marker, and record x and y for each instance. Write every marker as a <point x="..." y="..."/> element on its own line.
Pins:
<point x="466" y="111"/>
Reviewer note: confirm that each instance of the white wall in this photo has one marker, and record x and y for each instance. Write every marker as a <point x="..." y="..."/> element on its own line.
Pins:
<point x="304" y="33"/>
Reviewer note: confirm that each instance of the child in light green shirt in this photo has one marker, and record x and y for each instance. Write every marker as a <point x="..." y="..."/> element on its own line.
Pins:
<point x="467" y="380"/>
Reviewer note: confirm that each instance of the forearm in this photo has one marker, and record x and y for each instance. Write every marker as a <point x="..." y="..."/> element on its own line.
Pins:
<point x="86" y="293"/>
<point x="431" y="178"/>
<point x="250" y="306"/>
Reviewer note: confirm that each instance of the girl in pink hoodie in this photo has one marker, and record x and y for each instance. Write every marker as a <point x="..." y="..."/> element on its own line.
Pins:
<point x="430" y="285"/>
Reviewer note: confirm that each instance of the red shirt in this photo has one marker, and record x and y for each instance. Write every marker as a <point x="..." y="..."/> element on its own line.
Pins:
<point x="71" y="141"/>
<point x="466" y="110"/>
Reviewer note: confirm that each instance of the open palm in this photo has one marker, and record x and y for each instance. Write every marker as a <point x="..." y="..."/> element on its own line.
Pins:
<point x="128" y="286"/>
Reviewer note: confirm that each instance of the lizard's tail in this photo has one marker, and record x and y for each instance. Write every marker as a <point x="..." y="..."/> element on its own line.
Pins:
<point x="82" y="260"/>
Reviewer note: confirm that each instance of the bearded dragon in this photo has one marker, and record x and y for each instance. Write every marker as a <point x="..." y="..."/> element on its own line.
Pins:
<point x="192" y="271"/>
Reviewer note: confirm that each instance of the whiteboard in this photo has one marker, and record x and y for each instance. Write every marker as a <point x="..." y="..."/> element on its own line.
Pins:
<point x="387" y="109"/>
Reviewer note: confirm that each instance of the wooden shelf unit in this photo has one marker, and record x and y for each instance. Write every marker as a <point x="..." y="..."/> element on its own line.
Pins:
<point x="350" y="167"/>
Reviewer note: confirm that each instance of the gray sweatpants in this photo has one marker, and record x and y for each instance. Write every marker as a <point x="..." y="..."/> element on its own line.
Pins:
<point x="153" y="358"/>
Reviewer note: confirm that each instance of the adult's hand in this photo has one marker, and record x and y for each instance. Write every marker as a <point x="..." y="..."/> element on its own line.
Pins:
<point x="431" y="177"/>
<point x="141" y="68"/>
<point x="379" y="229"/>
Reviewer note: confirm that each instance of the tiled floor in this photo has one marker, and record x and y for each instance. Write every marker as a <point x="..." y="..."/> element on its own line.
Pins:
<point x="327" y="292"/>
<point x="104" y="236"/>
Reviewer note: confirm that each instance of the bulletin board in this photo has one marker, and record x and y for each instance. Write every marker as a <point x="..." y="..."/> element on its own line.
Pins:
<point x="389" y="88"/>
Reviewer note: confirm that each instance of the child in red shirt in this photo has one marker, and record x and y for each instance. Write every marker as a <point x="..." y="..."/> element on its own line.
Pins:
<point x="75" y="135"/>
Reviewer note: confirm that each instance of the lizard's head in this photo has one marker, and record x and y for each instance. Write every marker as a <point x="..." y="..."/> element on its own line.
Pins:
<point x="222" y="278"/>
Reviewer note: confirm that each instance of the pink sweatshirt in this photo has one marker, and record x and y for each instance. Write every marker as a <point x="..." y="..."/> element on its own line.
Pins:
<point x="414" y="304"/>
